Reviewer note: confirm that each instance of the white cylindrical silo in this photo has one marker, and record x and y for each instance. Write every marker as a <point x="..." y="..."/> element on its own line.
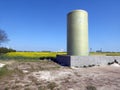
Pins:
<point x="77" y="33"/>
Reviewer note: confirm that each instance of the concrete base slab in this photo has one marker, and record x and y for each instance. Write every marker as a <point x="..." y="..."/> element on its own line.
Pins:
<point x="81" y="61"/>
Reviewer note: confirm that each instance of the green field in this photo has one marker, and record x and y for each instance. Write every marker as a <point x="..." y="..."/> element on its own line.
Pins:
<point x="105" y="53"/>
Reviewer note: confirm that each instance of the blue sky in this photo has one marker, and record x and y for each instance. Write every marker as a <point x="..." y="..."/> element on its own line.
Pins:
<point x="37" y="25"/>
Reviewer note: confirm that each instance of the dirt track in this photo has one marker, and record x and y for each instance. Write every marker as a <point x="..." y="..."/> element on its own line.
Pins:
<point x="47" y="75"/>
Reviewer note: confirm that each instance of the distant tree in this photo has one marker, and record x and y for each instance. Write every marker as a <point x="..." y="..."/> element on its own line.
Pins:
<point x="3" y="36"/>
<point x="4" y="50"/>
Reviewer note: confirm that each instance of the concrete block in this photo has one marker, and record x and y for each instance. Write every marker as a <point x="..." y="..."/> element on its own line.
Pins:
<point x="80" y="61"/>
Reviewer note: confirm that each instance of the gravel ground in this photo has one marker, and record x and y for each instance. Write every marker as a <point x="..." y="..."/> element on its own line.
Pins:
<point x="47" y="75"/>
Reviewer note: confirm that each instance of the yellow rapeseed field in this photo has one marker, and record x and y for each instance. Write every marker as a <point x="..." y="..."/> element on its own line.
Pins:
<point x="34" y="54"/>
<point x="44" y="55"/>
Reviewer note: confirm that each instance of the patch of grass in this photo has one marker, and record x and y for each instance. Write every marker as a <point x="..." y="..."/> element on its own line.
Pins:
<point x="105" y="53"/>
<point x="113" y="54"/>
<point x="6" y="88"/>
<point x="28" y="60"/>
<point x="91" y="88"/>
<point x="51" y="85"/>
<point x="42" y="88"/>
<point x="4" y="71"/>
